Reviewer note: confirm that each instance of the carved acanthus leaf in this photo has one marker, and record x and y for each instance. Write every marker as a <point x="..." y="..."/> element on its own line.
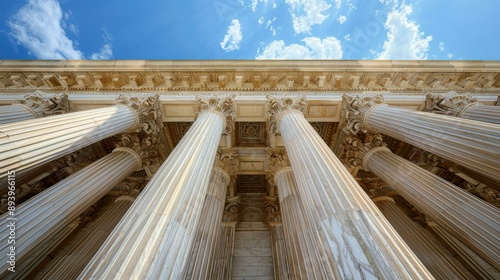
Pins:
<point x="357" y="147"/>
<point x="273" y="213"/>
<point x="148" y="111"/>
<point x="45" y="104"/>
<point x="232" y="209"/>
<point x="226" y="159"/>
<point x="278" y="159"/>
<point x="222" y="104"/>
<point x="450" y="104"/>
<point x="280" y="105"/>
<point x="354" y="110"/>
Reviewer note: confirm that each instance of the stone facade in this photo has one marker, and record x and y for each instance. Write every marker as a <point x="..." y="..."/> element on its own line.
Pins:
<point x="250" y="169"/>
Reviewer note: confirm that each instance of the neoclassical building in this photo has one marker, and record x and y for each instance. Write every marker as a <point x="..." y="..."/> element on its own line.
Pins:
<point x="250" y="169"/>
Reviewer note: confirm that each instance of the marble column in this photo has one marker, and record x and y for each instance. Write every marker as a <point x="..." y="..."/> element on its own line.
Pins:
<point x="33" y="106"/>
<point x="472" y="220"/>
<point x="39" y="218"/>
<point x="475" y="263"/>
<point x="155" y="236"/>
<point x="71" y="260"/>
<point x="473" y="144"/>
<point x="28" y="144"/>
<point x="202" y="253"/>
<point x="358" y="240"/>
<point x="280" y="259"/>
<point x="303" y="253"/>
<point x="462" y="106"/>
<point x="438" y="260"/>
<point x="223" y="258"/>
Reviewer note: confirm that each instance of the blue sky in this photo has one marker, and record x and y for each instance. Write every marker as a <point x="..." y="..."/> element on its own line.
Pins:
<point x="250" y="29"/>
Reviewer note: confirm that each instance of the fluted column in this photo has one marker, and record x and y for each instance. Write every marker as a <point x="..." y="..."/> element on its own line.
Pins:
<point x="155" y="236"/>
<point x="34" y="106"/>
<point x="28" y="144"/>
<point x="280" y="259"/>
<point x="303" y="253"/>
<point x="473" y="144"/>
<point x="70" y="261"/>
<point x="38" y="219"/>
<point x="223" y="259"/>
<point x="475" y="263"/>
<point x="202" y="253"/>
<point x="462" y="106"/>
<point x="439" y="261"/>
<point x="358" y="240"/>
<point x="473" y="221"/>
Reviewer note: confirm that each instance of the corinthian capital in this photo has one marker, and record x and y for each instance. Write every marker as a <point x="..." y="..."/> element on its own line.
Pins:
<point x="279" y="105"/>
<point x="224" y="105"/>
<point x="357" y="147"/>
<point x="451" y="103"/>
<point x="354" y="109"/>
<point x="226" y="159"/>
<point x="147" y="110"/>
<point x="278" y="159"/>
<point x="45" y="104"/>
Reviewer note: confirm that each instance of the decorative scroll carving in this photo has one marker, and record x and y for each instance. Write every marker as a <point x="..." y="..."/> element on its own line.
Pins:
<point x="450" y="103"/>
<point x="376" y="187"/>
<point x="232" y="209"/>
<point x="273" y="213"/>
<point x="222" y="104"/>
<point x="280" y="105"/>
<point x="45" y="104"/>
<point x="148" y="111"/>
<point x="356" y="148"/>
<point x="354" y="109"/>
<point x="226" y="159"/>
<point x="278" y="159"/>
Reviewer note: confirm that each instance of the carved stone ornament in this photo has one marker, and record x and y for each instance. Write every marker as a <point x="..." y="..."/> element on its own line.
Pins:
<point x="357" y="147"/>
<point x="45" y="104"/>
<point x="354" y="109"/>
<point x="278" y="159"/>
<point x="148" y="111"/>
<point x="273" y="213"/>
<point x="279" y="105"/>
<point x="450" y="104"/>
<point x="232" y="209"/>
<point x="226" y="159"/>
<point x="376" y="187"/>
<point x="222" y="104"/>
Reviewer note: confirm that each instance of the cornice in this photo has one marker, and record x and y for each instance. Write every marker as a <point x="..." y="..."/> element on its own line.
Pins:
<point x="250" y="75"/>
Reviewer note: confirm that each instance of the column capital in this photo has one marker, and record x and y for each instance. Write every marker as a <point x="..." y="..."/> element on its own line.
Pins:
<point x="354" y="110"/>
<point x="356" y="147"/>
<point x="225" y="159"/>
<point x="147" y="148"/>
<point x="232" y="209"/>
<point x="273" y="213"/>
<point x="42" y="104"/>
<point x="278" y="106"/>
<point x="278" y="159"/>
<point x="147" y="112"/>
<point x="450" y="104"/>
<point x="221" y="105"/>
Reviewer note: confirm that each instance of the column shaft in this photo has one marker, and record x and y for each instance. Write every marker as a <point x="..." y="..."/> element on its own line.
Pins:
<point x="304" y="256"/>
<point x="280" y="260"/>
<point x="223" y="259"/>
<point x="28" y="144"/>
<point x="360" y="241"/>
<point x="202" y="253"/>
<point x="439" y="261"/>
<point x="472" y="144"/>
<point x="16" y="113"/>
<point x="70" y="261"/>
<point x="483" y="113"/>
<point x="475" y="222"/>
<point x="155" y="236"/>
<point x="39" y="218"/>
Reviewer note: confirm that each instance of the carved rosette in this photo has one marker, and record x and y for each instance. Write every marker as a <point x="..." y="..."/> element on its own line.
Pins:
<point x="354" y="109"/>
<point x="357" y="147"/>
<point x="277" y="106"/>
<point x="450" y="104"/>
<point x="273" y="213"/>
<point x="223" y="105"/>
<point x="45" y="104"/>
<point x="232" y="209"/>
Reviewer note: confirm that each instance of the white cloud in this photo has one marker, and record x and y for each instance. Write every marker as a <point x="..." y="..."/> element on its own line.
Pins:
<point x="450" y="55"/>
<point x="306" y="13"/>
<point x="313" y="48"/>
<point x="106" y="52"/>
<point x="338" y="4"/>
<point x="261" y="20"/>
<point x="341" y="19"/>
<point x="275" y="5"/>
<point x="404" y="39"/>
<point x="38" y="26"/>
<point x="255" y="3"/>
<point x="347" y="37"/>
<point x="441" y="46"/>
<point x="233" y="37"/>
